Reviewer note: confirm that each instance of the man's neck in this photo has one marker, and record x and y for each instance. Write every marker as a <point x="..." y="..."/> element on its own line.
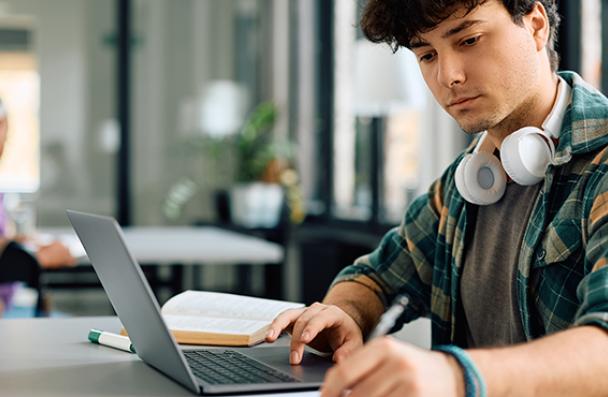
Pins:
<point x="532" y="112"/>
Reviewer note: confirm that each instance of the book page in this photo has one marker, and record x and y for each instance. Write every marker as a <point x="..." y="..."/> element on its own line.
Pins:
<point x="213" y="325"/>
<point x="215" y="304"/>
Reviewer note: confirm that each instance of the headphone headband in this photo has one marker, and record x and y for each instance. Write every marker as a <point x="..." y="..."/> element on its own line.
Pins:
<point x="553" y="122"/>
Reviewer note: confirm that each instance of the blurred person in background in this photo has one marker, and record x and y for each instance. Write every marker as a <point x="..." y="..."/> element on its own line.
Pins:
<point x="15" y="260"/>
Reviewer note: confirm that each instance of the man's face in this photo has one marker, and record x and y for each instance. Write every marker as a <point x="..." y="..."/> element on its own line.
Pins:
<point x="481" y="67"/>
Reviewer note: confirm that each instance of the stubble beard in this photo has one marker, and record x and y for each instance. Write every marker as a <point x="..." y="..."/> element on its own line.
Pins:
<point x="477" y="126"/>
<point x="499" y="126"/>
<point x="495" y="119"/>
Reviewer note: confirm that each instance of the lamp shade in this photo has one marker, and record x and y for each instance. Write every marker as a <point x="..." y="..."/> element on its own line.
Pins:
<point x="223" y="107"/>
<point x="385" y="82"/>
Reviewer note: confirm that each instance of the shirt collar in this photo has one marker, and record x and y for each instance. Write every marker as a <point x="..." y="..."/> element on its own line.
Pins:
<point x="585" y="123"/>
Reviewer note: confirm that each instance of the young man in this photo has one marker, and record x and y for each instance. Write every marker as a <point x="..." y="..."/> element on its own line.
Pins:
<point x="518" y="279"/>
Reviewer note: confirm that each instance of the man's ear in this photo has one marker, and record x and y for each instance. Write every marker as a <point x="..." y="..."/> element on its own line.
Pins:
<point x="537" y="23"/>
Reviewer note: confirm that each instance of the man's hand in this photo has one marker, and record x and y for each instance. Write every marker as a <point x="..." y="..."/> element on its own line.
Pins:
<point x="54" y="255"/>
<point x="324" y="327"/>
<point x="386" y="367"/>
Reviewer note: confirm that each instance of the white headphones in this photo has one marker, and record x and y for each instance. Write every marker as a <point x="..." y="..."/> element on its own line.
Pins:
<point x="481" y="178"/>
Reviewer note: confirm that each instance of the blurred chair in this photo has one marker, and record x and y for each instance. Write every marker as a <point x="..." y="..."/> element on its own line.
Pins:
<point x="18" y="265"/>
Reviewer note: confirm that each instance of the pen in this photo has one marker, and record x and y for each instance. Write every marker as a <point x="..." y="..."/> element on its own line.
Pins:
<point x="113" y="340"/>
<point x="388" y="319"/>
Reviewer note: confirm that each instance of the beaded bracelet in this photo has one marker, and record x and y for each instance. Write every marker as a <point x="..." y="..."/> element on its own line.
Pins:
<point x="472" y="377"/>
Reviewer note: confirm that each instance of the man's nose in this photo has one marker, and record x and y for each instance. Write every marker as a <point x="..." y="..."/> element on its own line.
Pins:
<point x="450" y="71"/>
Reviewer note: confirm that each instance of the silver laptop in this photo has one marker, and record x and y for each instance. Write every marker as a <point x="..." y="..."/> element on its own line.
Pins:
<point x="205" y="371"/>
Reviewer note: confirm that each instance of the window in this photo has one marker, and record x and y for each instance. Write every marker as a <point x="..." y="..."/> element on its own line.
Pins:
<point x="20" y="95"/>
<point x="591" y="42"/>
<point x="57" y="78"/>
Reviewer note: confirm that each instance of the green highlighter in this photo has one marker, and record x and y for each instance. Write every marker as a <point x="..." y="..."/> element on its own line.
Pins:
<point x="112" y="340"/>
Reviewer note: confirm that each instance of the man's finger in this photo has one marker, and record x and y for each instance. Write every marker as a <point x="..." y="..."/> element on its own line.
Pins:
<point x="322" y="320"/>
<point x="281" y="322"/>
<point x="312" y="312"/>
<point x="341" y="376"/>
<point x="346" y="349"/>
<point x="380" y="381"/>
<point x="297" y="344"/>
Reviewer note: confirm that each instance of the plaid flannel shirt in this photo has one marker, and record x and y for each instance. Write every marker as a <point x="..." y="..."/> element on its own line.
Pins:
<point x="562" y="277"/>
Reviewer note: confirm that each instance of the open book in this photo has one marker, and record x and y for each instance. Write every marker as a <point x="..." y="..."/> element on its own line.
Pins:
<point x="212" y="318"/>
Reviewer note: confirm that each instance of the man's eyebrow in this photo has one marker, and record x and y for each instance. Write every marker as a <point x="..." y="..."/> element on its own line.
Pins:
<point x="464" y="25"/>
<point x="418" y="44"/>
<point x="455" y="30"/>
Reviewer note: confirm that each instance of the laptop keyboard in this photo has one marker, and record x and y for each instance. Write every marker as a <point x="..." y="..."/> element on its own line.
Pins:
<point x="231" y="367"/>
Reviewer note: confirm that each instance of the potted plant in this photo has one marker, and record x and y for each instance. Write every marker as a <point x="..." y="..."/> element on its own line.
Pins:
<point x="264" y="173"/>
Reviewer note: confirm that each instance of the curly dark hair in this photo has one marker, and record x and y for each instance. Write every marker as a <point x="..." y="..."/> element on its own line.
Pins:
<point x="397" y="22"/>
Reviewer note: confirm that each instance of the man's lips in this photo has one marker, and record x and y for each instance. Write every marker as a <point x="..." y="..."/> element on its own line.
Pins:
<point x="462" y="101"/>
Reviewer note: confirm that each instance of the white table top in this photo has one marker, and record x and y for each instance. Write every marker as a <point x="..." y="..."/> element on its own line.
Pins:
<point x="52" y="357"/>
<point x="184" y="245"/>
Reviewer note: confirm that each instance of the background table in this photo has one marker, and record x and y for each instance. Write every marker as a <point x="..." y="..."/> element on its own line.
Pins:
<point x="177" y="247"/>
<point x="186" y="245"/>
<point x="52" y="357"/>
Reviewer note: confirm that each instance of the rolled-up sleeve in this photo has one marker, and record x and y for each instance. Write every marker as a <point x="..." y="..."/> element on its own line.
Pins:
<point x="403" y="261"/>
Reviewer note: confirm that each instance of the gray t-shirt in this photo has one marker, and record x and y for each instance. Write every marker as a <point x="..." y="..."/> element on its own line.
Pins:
<point x="488" y="285"/>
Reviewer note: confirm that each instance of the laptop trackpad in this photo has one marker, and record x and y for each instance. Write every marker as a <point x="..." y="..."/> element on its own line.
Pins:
<point x="312" y="368"/>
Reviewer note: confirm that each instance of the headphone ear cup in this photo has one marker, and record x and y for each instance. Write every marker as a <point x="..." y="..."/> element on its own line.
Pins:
<point x="459" y="177"/>
<point x="480" y="179"/>
<point x="525" y="155"/>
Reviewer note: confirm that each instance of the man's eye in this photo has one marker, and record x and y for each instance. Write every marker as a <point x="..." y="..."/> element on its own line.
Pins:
<point x="426" y="57"/>
<point x="471" y="41"/>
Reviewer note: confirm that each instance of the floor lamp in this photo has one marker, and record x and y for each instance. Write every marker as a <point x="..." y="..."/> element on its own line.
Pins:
<point x="384" y="83"/>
